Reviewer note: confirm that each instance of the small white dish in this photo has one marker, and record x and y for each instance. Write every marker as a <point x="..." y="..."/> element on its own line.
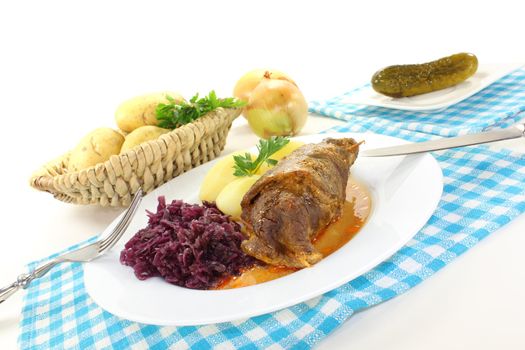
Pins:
<point x="405" y="192"/>
<point x="486" y="75"/>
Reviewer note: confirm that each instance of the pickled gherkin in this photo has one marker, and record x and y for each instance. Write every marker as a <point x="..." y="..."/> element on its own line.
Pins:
<point x="416" y="79"/>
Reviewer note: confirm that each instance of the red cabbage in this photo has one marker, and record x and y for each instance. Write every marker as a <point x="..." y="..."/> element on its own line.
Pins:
<point x="190" y="245"/>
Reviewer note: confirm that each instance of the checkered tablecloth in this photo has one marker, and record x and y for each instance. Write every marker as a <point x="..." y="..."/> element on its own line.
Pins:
<point x="483" y="190"/>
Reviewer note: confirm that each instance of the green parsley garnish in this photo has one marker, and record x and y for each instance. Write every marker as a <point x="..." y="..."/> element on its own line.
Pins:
<point x="244" y="166"/>
<point x="174" y="114"/>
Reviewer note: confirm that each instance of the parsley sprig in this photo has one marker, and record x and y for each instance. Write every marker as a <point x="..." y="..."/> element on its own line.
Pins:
<point x="173" y="114"/>
<point x="245" y="166"/>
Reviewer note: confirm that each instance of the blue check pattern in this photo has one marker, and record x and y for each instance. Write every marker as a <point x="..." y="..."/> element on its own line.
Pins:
<point x="483" y="190"/>
<point x="496" y="106"/>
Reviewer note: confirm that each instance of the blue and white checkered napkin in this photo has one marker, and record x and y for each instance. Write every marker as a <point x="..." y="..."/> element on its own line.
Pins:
<point x="483" y="190"/>
<point x="498" y="105"/>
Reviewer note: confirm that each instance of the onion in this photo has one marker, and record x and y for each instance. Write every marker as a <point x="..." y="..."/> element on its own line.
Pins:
<point x="250" y="80"/>
<point x="276" y="108"/>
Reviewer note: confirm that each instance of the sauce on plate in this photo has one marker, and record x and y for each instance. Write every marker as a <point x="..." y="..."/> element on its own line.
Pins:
<point x="354" y="215"/>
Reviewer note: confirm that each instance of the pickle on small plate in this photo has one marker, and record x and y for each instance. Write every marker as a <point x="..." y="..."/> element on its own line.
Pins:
<point x="416" y="79"/>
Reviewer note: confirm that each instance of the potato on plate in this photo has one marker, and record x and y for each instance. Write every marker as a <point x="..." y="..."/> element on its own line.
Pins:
<point x="280" y="154"/>
<point x="229" y="199"/>
<point x="218" y="177"/>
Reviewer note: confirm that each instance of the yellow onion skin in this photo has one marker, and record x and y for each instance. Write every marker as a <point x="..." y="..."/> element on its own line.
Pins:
<point x="276" y="108"/>
<point x="249" y="81"/>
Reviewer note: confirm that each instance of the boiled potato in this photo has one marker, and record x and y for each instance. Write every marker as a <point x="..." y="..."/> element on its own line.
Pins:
<point x="139" y="111"/>
<point x="218" y="176"/>
<point x="280" y="154"/>
<point x="94" y="148"/>
<point x="229" y="199"/>
<point x="142" y="134"/>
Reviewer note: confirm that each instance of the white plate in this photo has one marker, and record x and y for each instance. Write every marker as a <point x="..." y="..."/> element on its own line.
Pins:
<point x="405" y="192"/>
<point x="486" y="75"/>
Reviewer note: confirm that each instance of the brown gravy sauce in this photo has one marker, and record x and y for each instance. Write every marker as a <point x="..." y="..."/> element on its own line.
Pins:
<point x="354" y="215"/>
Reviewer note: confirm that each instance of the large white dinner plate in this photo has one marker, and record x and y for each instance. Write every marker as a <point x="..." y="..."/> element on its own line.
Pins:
<point x="405" y="192"/>
<point x="485" y="75"/>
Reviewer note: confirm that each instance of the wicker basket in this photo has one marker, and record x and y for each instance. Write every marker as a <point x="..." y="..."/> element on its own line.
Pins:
<point x="149" y="164"/>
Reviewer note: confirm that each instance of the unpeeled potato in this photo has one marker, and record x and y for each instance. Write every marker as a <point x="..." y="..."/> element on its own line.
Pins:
<point x="140" y="135"/>
<point x="229" y="199"/>
<point x="218" y="177"/>
<point x="96" y="147"/>
<point x="280" y="154"/>
<point x="141" y="110"/>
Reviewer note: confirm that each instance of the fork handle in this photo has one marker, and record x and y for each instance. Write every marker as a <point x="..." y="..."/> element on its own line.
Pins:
<point x="23" y="280"/>
<point x="9" y="290"/>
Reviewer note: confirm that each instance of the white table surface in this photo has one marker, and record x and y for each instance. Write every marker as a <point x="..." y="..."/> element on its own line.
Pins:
<point x="64" y="67"/>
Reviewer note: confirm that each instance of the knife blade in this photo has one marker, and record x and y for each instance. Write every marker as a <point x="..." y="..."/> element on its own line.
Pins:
<point x="512" y="132"/>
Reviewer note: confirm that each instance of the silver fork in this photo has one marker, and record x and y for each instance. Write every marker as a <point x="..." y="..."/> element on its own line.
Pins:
<point x="83" y="254"/>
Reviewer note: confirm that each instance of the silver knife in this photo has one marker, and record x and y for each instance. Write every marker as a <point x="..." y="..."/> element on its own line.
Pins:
<point x="512" y="132"/>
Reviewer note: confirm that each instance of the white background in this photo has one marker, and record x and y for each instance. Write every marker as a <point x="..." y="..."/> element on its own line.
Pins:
<point x="65" y="66"/>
